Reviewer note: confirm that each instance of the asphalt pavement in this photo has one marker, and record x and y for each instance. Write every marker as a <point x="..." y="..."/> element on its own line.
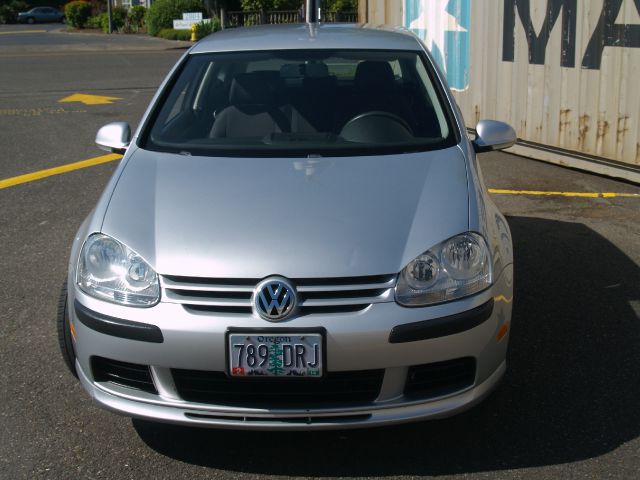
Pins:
<point x="50" y="37"/>
<point x="568" y="406"/>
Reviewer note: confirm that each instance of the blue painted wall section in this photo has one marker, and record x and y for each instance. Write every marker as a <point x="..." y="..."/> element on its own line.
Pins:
<point x="444" y="26"/>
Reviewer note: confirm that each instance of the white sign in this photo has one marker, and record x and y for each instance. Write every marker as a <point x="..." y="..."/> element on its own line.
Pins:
<point x="192" y="16"/>
<point x="186" y="24"/>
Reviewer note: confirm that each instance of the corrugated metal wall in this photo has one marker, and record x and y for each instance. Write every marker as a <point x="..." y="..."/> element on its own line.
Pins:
<point x="564" y="73"/>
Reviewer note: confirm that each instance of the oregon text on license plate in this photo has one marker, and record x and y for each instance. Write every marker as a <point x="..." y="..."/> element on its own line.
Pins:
<point x="270" y="355"/>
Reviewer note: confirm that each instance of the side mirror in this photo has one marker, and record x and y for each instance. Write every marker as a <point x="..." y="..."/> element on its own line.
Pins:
<point x="114" y="137"/>
<point x="492" y="135"/>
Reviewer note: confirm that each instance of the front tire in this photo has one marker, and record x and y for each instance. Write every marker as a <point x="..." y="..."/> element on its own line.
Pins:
<point x="65" y="339"/>
<point x="31" y="20"/>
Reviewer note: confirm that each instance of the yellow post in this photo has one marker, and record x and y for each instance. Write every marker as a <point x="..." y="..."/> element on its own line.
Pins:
<point x="193" y="32"/>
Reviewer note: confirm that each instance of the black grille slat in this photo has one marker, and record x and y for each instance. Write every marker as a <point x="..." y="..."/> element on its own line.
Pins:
<point x="133" y="376"/>
<point x="214" y="295"/>
<point x="246" y="282"/>
<point x="343" y="294"/>
<point x="125" y="382"/>
<point x="299" y="420"/>
<point x="341" y="281"/>
<point x="442" y="378"/>
<point x="300" y="282"/>
<point x="318" y="310"/>
<point x="328" y="310"/>
<point x="139" y="373"/>
<point x="125" y="374"/>
<point x="336" y="388"/>
<point x="219" y="309"/>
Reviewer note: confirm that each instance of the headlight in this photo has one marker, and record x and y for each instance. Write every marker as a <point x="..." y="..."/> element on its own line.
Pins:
<point x="111" y="271"/>
<point x="456" y="268"/>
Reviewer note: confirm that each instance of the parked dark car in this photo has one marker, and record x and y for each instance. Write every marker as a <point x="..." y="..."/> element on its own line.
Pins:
<point x="41" y="14"/>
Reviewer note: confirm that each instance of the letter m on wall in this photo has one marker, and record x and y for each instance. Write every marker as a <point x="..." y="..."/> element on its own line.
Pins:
<point x="538" y="41"/>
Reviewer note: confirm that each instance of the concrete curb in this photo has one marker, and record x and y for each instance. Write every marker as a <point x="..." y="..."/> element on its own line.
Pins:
<point x="171" y="44"/>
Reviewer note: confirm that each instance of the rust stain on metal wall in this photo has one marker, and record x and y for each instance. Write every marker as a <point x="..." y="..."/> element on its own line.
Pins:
<point x="564" y="120"/>
<point x="622" y="128"/>
<point x="538" y="133"/>
<point x="583" y="129"/>
<point x="603" y="130"/>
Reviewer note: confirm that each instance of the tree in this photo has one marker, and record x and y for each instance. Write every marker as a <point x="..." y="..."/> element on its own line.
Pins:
<point x="340" y="5"/>
<point x="327" y="5"/>
<point x="252" y="5"/>
<point x="214" y="6"/>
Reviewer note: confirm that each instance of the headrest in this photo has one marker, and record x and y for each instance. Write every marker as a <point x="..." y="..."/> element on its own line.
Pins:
<point x="255" y="88"/>
<point x="320" y="84"/>
<point x="290" y="70"/>
<point x="316" y="70"/>
<point x="371" y="75"/>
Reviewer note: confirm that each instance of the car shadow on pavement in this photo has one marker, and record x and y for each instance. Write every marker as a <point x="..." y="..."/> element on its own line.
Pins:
<point x="571" y="391"/>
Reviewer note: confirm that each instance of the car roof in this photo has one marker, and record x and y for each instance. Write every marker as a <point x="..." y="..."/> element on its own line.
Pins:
<point x="308" y="36"/>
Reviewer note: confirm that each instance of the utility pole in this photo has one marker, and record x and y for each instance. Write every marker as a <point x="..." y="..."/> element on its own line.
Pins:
<point x="110" y="16"/>
<point x="312" y="11"/>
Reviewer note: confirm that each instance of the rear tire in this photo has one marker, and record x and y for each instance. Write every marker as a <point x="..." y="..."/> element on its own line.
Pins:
<point x="65" y="340"/>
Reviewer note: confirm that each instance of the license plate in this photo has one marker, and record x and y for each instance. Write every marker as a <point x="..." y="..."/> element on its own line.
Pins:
<point x="286" y="355"/>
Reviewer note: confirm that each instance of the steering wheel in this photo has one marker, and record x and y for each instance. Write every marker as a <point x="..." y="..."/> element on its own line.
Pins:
<point x="379" y="113"/>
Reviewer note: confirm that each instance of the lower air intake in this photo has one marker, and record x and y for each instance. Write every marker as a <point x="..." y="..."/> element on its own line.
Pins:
<point x="125" y="374"/>
<point x="335" y="389"/>
<point x="437" y="379"/>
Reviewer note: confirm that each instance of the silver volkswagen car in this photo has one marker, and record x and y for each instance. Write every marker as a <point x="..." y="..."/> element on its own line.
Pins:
<point x="297" y="237"/>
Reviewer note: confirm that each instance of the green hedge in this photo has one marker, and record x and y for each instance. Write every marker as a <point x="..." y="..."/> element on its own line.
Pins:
<point x="9" y="10"/>
<point x="205" y="28"/>
<point x="162" y="13"/>
<point x="118" y="19"/>
<point x="77" y="13"/>
<point x="136" y="16"/>
<point x="95" y="21"/>
<point x="121" y="20"/>
<point x="171" y="34"/>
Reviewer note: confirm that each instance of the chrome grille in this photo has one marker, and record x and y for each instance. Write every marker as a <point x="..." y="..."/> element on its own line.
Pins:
<point x="315" y="295"/>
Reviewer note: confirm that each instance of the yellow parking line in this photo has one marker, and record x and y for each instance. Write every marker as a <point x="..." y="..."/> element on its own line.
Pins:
<point x="564" y="194"/>
<point x="69" y="167"/>
<point x="502" y="298"/>
<point x="23" y="31"/>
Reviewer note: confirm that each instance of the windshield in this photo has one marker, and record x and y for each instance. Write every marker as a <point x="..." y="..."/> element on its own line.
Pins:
<point x="284" y="103"/>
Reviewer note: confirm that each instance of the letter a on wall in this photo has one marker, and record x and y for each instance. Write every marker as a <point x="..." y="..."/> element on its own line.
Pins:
<point x="444" y="27"/>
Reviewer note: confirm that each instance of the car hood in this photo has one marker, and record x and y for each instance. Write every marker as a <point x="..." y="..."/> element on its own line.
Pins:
<point x="300" y="218"/>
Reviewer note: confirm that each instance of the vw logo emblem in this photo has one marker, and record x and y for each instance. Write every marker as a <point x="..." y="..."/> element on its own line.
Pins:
<point x="274" y="299"/>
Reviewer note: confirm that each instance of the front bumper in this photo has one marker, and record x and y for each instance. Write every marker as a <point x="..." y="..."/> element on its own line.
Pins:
<point x="192" y="414"/>
<point x="354" y="342"/>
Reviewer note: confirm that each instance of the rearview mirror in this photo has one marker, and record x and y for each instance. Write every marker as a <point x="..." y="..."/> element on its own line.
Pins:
<point x="114" y="137"/>
<point x="492" y="135"/>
